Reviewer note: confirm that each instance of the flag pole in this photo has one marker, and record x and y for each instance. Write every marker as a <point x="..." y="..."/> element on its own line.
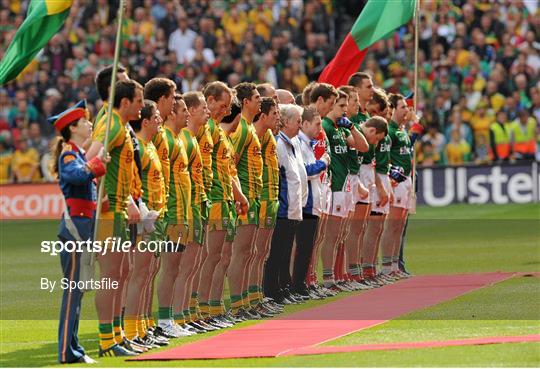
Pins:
<point x="415" y="98"/>
<point x="110" y="107"/>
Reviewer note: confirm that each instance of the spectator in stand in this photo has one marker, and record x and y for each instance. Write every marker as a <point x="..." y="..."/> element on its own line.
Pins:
<point x="456" y="122"/>
<point x="25" y="163"/>
<point x="427" y="157"/>
<point x="457" y="150"/>
<point x="436" y="139"/>
<point x="470" y="52"/>
<point x="182" y="39"/>
<point x="6" y="157"/>
<point x="523" y="136"/>
<point x="36" y="140"/>
<point x="499" y="137"/>
<point x="22" y="109"/>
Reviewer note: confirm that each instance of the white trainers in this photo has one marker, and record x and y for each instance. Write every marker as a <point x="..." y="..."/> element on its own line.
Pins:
<point x="181" y="331"/>
<point x="168" y="328"/>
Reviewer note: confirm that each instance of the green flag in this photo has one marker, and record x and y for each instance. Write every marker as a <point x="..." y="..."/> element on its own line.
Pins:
<point x="379" y="19"/>
<point x="43" y="21"/>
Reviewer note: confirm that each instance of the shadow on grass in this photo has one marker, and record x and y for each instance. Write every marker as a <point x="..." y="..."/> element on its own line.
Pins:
<point x="46" y="354"/>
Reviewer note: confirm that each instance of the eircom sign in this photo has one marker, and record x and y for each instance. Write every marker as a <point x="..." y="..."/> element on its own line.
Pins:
<point x="499" y="184"/>
<point x="31" y="201"/>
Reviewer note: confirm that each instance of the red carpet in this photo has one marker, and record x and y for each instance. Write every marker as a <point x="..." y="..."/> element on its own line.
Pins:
<point x="412" y="345"/>
<point x="327" y="322"/>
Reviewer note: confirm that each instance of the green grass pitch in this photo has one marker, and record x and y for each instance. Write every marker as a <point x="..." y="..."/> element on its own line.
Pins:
<point x="454" y="239"/>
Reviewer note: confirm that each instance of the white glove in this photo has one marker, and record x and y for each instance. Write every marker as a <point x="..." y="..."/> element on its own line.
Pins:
<point x="148" y="218"/>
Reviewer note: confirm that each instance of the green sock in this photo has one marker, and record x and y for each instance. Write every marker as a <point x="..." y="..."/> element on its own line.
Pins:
<point x="252" y="293"/>
<point x="245" y="299"/>
<point x="236" y="303"/>
<point x="117" y="329"/>
<point x="164" y="313"/>
<point x="106" y="336"/>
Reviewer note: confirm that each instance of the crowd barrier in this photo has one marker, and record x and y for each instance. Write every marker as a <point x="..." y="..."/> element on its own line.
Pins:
<point x="499" y="184"/>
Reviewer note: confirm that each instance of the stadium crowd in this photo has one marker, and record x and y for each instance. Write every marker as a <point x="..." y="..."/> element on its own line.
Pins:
<point x="478" y="65"/>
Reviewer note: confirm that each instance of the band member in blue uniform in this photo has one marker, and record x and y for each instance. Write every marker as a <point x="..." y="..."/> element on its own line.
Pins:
<point x="76" y="178"/>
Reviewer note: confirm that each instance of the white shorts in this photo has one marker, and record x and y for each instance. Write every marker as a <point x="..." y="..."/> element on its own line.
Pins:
<point x="340" y="204"/>
<point x="367" y="178"/>
<point x="326" y="198"/>
<point x="385" y="180"/>
<point x="403" y="194"/>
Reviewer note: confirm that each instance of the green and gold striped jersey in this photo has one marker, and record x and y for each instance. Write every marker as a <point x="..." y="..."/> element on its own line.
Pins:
<point x="152" y="176"/>
<point x="206" y="146"/>
<point x="221" y="164"/>
<point x="270" y="176"/>
<point x="162" y="147"/>
<point x="195" y="166"/>
<point x="180" y="183"/>
<point x="120" y="169"/>
<point x="249" y="164"/>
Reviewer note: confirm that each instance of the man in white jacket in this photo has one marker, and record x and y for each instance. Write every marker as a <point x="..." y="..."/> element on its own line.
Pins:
<point x="292" y="197"/>
<point x="306" y="231"/>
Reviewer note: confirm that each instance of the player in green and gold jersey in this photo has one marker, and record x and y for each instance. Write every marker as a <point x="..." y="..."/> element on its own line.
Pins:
<point x="198" y="116"/>
<point x="154" y="204"/>
<point x="127" y="105"/>
<point x="220" y="192"/>
<point x="177" y="215"/>
<point x="265" y="124"/>
<point x="249" y="165"/>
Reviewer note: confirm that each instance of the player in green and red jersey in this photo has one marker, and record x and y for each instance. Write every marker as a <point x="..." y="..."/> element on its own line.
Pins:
<point x="400" y="158"/>
<point x="379" y="106"/>
<point x="341" y="135"/>
<point x="322" y="97"/>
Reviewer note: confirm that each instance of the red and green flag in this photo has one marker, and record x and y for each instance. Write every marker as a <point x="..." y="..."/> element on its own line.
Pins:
<point x="43" y="21"/>
<point x="377" y="21"/>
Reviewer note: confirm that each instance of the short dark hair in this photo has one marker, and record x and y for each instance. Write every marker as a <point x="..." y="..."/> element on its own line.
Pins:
<point x="216" y="89"/>
<point x="103" y="80"/>
<point x="379" y="97"/>
<point x="267" y="103"/>
<point x="158" y="87"/>
<point x="347" y="89"/>
<point x="357" y="79"/>
<point x="307" y="92"/>
<point x="309" y="113"/>
<point x="193" y="99"/>
<point x="342" y="95"/>
<point x="125" y="90"/>
<point x="244" y="90"/>
<point x="379" y="123"/>
<point x="393" y="99"/>
<point x="323" y="90"/>
<point x="147" y="111"/>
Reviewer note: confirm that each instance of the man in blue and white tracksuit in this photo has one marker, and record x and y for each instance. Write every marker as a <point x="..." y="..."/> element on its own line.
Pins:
<point x="292" y="197"/>
<point x="306" y="231"/>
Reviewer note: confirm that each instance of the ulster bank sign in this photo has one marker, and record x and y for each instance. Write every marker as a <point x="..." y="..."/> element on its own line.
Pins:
<point x="499" y="184"/>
